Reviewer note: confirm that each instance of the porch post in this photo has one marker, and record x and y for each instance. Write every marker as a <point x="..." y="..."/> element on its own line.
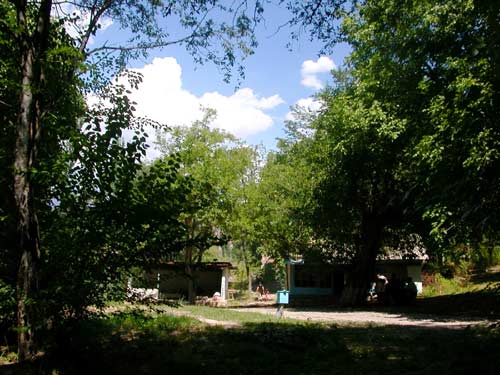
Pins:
<point x="224" y="284"/>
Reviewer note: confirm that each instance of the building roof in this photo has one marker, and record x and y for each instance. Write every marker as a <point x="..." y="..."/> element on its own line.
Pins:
<point x="202" y="265"/>
<point x="410" y="250"/>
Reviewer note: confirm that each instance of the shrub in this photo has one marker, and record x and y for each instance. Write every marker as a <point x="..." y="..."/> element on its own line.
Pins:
<point x="7" y="307"/>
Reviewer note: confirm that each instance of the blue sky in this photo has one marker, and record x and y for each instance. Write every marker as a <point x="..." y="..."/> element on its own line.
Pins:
<point x="275" y="79"/>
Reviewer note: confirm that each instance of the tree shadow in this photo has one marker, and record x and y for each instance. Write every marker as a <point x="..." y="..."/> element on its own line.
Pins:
<point x="273" y="348"/>
<point x="477" y="305"/>
<point x="492" y="276"/>
<point x="484" y="304"/>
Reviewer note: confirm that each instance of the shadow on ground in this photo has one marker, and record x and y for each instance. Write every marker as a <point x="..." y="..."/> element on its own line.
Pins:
<point x="472" y="306"/>
<point x="490" y="276"/>
<point x="105" y="347"/>
<point x="482" y="304"/>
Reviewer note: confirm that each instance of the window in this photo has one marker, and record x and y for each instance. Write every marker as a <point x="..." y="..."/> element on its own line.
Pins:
<point x="312" y="277"/>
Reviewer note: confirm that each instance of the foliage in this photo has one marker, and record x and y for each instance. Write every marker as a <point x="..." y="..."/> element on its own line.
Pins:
<point x="246" y="218"/>
<point x="434" y="68"/>
<point x="90" y="211"/>
<point x="47" y="45"/>
<point x="214" y="166"/>
<point x="158" y="198"/>
<point x="7" y="306"/>
<point x="445" y="286"/>
<point x="211" y="31"/>
<point x="282" y="225"/>
<point x="406" y="140"/>
<point x="8" y="263"/>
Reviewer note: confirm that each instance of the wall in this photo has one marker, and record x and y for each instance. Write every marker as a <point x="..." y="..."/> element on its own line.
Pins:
<point x="320" y="282"/>
<point x="415" y="272"/>
<point x="301" y="286"/>
<point x="175" y="283"/>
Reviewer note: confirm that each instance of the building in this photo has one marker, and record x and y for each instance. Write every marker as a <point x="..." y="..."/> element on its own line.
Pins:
<point x="317" y="282"/>
<point x="171" y="282"/>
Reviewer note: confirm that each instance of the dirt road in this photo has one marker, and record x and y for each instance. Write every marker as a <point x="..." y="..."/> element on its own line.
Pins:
<point x="371" y="317"/>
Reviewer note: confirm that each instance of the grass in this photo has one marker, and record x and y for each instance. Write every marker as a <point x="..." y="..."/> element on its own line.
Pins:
<point x="134" y="342"/>
<point x="223" y="314"/>
<point x="475" y="295"/>
<point x="463" y="282"/>
<point x="443" y="286"/>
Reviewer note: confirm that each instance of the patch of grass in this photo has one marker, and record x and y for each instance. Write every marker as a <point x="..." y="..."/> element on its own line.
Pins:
<point x="462" y="284"/>
<point x="223" y="314"/>
<point x="475" y="295"/>
<point x="7" y="355"/>
<point x="443" y="286"/>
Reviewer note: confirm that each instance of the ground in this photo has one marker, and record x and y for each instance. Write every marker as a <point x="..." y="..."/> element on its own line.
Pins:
<point x="452" y="334"/>
<point x="374" y="317"/>
<point x="140" y="342"/>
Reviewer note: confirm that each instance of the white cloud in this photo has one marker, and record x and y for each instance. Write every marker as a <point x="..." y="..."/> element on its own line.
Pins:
<point x="242" y="113"/>
<point x="308" y="105"/>
<point x="311" y="69"/>
<point x="162" y="98"/>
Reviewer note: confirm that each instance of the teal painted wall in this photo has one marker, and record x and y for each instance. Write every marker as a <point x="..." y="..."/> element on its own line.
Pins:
<point x="305" y="291"/>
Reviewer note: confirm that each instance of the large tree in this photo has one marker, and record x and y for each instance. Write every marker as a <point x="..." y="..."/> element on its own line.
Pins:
<point x="245" y="218"/>
<point x="214" y="164"/>
<point x="435" y="66"/>
<point x="343" y="165"/>
<point x="410" y="135"/>
<point x="32" y="31"/>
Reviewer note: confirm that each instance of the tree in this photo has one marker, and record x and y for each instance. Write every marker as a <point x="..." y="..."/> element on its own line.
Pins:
<point x="425" y="75"/>
<point x="360" y="196"/>
<point x="342" y="165"/>
<point x="214" y="163"/>
<point x="87" y="225"/>
<point x="283" y="194"/>
<point x="246" y="214"/>
<point x="436" y="68"/>
<point x="32" y="32"/>
<point x="158" y="198"/>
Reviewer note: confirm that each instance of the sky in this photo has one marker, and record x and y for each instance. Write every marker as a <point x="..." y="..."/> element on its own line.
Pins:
<point x="174" y="88"/>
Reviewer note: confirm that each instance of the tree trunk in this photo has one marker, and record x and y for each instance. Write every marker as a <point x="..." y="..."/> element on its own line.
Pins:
<point x="249" y="277"/>
<point x="188" y="262"/>
<point x="363" y="271"/>
<point x="27" y="225"/>
<point x="491" y="247"/>
<point x="247" y="267"/>
<point x="191" y="285"/>
<point x="28" y="134"/>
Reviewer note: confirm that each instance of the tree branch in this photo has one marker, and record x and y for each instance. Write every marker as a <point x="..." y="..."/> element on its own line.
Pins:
<point x="139" y="47"/>
<point x="93" y="22"/>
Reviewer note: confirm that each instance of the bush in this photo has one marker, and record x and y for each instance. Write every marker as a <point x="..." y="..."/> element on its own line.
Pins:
<point x="7" y="307"/>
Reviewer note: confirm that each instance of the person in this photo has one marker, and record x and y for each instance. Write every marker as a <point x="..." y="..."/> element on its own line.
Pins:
<point x="267" y="297"/>
<point x="371" y="292"/>
<point x="380" y="285"/>
<point x="409" y="290"/>
<point x="260" y="289"/>
<point x="216" y="296"/>
<point x="394" y="289"/>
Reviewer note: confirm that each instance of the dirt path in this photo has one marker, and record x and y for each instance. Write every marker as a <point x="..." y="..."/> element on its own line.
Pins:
<point x="371" y="317"/>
